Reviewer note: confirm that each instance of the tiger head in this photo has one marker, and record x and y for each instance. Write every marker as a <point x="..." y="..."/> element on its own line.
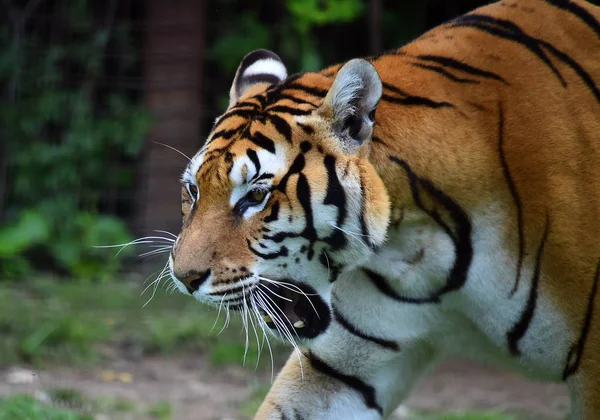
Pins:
<point x="282" y="198"/>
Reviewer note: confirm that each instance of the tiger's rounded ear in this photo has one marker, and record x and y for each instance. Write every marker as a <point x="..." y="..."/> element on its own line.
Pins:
<point x="351" y="103"/>
<point x="259" y="66"/>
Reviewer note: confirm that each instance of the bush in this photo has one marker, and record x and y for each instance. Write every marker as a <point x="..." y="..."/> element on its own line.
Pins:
<point x="67" y="142"/>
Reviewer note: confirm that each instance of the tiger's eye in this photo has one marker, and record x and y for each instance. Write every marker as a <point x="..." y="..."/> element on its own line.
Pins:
<point x="257" y="196"/>
<point x="193" y="191"/>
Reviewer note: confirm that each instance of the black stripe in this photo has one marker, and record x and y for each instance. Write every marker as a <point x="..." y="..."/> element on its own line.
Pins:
<point x="444" y="73"/>
<point x="264" y="176"/>
<point x="382" y="285"/>
<point x="515" y="195"/>
<point x="578" y="11"/>
<point x="241" y="113"/>
<point x="281" y="126"/>
<point x="376" y="139"/>
<point x="336" y="195"/>
<point x="388" y="344"/>
<point x="226" y="134"/>
<point x="296" y="168"/>
<point x="587" y="79"/>
<point x="296" y="100"/>
<point x="306" y="128"/>
<point x="517" y="332"/>
<point x="463" y="67"/>
<point x="304" y="198"/>
<point x="263" y="141"/>
<point x="366" y="390"/>
<point x="282" y="252"/>
<point x="274" y="215"/>
<point x="415" y="101"/>
<point x="576" y="350"/>
<point x="394" y="89"/>
<point x="288" y="110"/>
<point x="311" y="90"/>
<point x="254" y="158"/>
<point x="333" y="269"/>
<point x="269" y="78"/>
<point x="248" y="104"/>
<point x="409" y="99"/>
<point x="463" y="248"/>
<point x="507" y="30"/>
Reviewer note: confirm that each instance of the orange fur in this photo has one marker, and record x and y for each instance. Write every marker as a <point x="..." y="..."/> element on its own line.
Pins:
<point x="509" y="132"/>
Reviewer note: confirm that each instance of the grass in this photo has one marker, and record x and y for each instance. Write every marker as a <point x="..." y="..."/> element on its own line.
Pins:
<point x="45" y="322"/>
<point x="67" y="404"/>
<point x="24" y="407"/>
<point x="21" y="407"/>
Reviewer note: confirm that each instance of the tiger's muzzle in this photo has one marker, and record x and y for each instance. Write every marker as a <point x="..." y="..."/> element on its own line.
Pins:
<point x="296" y="308"/>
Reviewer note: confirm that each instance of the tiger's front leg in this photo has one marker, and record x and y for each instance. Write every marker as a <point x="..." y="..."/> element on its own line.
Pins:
<point x="331" y="389"/>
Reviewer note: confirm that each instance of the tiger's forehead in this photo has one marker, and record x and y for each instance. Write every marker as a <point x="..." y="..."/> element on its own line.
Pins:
<point x="262" y="120"/>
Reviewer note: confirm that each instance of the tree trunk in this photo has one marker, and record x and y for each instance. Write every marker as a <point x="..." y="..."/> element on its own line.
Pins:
<point x="173" y="64"/>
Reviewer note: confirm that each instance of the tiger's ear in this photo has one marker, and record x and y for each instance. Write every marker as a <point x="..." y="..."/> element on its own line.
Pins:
<point x="351" y="103"/>
<point x="259" y="66"/>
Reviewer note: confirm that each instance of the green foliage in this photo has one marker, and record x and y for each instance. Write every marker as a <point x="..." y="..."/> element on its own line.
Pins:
<point x="292" y="36"/>
<point x="238" y="40"/>
<point x="24" y="407"/>
<point x="307" y="13"/>
<point x="65" y="138"/>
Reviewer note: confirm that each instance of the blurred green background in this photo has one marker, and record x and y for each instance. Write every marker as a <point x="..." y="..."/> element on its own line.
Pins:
<point x="93" y="96"/>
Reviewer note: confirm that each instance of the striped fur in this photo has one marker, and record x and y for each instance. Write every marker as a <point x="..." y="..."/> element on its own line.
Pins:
<point x="440" y="199"/>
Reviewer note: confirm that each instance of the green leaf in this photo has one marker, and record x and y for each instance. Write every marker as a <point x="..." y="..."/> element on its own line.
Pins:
<point x="29" y="230"/>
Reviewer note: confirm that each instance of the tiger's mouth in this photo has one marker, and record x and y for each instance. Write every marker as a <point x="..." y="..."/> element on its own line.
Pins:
<point x="294" y="308"/>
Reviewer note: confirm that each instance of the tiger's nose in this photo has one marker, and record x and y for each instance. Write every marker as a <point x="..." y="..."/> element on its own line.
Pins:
<point x="193" y="280"/>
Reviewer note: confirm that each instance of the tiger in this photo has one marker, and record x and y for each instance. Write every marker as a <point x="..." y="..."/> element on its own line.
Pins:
<point x="392" y="211"/>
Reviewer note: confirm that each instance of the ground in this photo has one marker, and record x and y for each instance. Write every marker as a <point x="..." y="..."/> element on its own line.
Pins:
<point x="196" y="389"/>
<point x="68" y="348"/>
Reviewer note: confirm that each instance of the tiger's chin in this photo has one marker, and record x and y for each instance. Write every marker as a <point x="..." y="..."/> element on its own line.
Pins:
<point x="294" y="308"/>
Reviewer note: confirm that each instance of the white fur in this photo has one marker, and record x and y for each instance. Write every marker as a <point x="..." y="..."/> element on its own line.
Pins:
<point x="267" y="66"/>
<point x="269" y="162"/>
<point x="471" y="322"/>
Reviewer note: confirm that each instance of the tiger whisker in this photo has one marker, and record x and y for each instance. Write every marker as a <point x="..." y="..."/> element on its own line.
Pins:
<point x="139" y="241"/>
<point x="286" y="285"/>
<point x="226" y="323"/>
<point x="262" y="324"/>
<point x="245" y="323"/>
<point x="283" y="316"/>
<point x="162" y="275"/>
<point x="255" y="334"/>
<point x="166" y="232"/>
<point x="174" y="149"/>
<point x="272" y="292"/>
<point x="353" y="234"/>
<point x="218" y="313"/>
<point x="147" y="278"/>
<point x="281" y="327"/>
<point x="328" y="267"/>
<point x="300" y="291"/>
<point x="161" y="250"/>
